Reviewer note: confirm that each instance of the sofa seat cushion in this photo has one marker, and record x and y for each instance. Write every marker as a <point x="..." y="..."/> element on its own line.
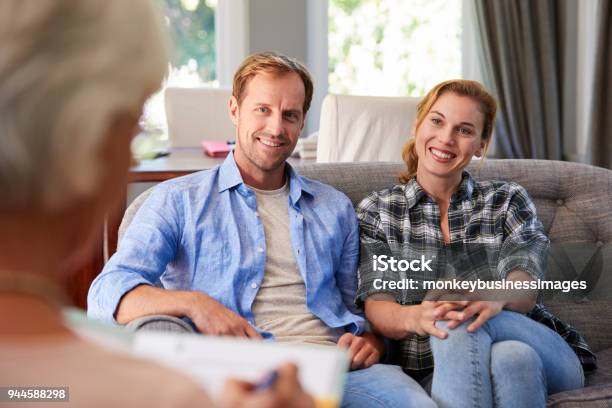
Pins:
<point x="597" y="396"/>
<point x="603" y="374"/>
<point x="598" y="391"/>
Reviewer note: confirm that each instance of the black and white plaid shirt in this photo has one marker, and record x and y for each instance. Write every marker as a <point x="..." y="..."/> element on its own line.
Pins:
<point x="491" y="214"/>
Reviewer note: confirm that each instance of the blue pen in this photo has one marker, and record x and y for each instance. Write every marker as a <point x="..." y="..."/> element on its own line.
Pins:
<point x="267" y="382"/>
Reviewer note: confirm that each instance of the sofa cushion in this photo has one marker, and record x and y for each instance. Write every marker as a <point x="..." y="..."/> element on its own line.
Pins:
<point x="592" y="319"/>
<point x="598" y="391"/>
<point x="603" y="375"/>
<point x="599" y="396"/>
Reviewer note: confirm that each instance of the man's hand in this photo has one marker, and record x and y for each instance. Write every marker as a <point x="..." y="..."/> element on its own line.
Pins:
<point x="365" y="350"/>
<point x="285" y="392"/>
<point x="211" y="317"/>
<point x="484" y="309"/>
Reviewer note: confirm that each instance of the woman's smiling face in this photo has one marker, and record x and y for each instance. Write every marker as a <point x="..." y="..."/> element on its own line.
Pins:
<point x="449" y="136"/>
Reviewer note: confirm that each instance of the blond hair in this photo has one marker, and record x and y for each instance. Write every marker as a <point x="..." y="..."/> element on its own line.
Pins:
<point x="270" y="63"/>
<point x="68" y="67"/>
<point x="462" y="87"/>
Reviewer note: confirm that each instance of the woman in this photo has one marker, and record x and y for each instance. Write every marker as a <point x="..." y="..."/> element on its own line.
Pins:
<point x="487" y="350"/>
<point x="74" y="75"/>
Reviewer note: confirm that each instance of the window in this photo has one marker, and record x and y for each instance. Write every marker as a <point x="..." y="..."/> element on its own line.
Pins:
<point x="191" y="24"/>
<point x="192" y="27"/>
<point x="393" y="47"/>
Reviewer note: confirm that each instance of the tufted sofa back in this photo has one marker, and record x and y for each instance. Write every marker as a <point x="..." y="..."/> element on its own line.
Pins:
<point x="574" y="201"/>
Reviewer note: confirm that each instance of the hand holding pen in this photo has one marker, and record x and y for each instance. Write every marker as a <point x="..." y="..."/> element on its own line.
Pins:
<point x="280" y="388"/>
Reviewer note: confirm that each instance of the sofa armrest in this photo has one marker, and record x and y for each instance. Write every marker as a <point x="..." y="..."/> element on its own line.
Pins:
<point x="595" y="396"/>
<point x="163" y="323"/>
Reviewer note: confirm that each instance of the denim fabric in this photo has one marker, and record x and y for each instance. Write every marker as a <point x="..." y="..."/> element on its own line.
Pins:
<point x="511" y="361"/>
<point x="384" y="386"/>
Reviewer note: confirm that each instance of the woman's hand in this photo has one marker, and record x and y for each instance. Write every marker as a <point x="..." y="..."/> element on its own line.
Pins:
<point x="485" y="309"/>
<point x="285" y="392"/>
<point x="423" y="316"/>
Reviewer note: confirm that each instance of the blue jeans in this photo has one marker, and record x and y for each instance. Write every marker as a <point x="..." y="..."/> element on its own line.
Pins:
<point x="383" y="385"/>
<point x="511" y="361"/>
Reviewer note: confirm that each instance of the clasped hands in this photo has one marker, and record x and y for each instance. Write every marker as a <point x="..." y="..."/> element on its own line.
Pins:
<point x="455" y="312"/>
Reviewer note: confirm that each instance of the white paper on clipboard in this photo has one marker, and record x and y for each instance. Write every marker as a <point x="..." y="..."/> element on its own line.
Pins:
<point x="211" y="360"/>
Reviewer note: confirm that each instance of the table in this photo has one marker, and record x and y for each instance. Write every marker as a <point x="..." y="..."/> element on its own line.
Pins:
<point x="180" y="162"/>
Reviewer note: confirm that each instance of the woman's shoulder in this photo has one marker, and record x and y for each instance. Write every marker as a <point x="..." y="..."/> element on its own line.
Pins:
<point x="384" y="197"/>
<point x="499" y="189"/>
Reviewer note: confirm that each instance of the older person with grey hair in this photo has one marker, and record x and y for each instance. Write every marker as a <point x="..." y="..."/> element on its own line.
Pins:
<point x="74" y="75"/>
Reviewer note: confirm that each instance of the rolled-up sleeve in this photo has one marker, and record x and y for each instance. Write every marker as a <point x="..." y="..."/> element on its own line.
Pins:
<point x="149" y="244"/>
<point x="373" y="242"/>
<point x="525" y="245"/>
<point x="346" y="273"/>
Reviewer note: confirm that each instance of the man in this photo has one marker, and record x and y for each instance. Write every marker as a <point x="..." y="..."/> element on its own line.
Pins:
<point x="252" y="249"/>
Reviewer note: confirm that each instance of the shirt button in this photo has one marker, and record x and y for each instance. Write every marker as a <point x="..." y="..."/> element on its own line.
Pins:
<point x="260" y="249"/>
<point x="559" y="202"/>
<point x="256" y="214"/>
<point x="253" y="285"/>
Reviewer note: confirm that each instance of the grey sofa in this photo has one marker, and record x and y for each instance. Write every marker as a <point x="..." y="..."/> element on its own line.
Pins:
<point x="574" y="203"/>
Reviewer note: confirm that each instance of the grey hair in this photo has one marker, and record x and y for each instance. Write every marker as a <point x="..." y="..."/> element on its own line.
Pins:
<point x="67" y="68"/>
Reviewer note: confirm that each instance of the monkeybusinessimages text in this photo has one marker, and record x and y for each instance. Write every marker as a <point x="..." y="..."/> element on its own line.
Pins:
<point x="383" y="263"/>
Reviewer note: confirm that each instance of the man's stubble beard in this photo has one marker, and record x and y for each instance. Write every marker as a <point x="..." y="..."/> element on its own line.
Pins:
<point x="253" y="156"/>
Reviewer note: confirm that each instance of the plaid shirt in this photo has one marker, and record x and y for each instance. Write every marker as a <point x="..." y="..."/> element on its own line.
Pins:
<point x="495" y="214"/>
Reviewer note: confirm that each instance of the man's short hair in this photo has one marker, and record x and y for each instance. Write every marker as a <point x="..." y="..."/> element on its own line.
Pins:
<point x="270" y="63"/>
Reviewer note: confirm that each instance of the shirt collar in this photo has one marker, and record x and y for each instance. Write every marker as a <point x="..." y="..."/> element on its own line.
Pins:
<point x="297" y="185"/>
<point x="466" y="188"/>
<point x="415" y="193"/>
<point x="229" y="177"/>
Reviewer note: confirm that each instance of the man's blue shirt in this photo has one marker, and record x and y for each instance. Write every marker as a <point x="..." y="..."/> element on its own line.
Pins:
<point x="202" y="232"/>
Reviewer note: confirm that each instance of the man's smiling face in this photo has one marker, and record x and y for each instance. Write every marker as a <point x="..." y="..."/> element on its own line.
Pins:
<point x="268" y="122"/>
